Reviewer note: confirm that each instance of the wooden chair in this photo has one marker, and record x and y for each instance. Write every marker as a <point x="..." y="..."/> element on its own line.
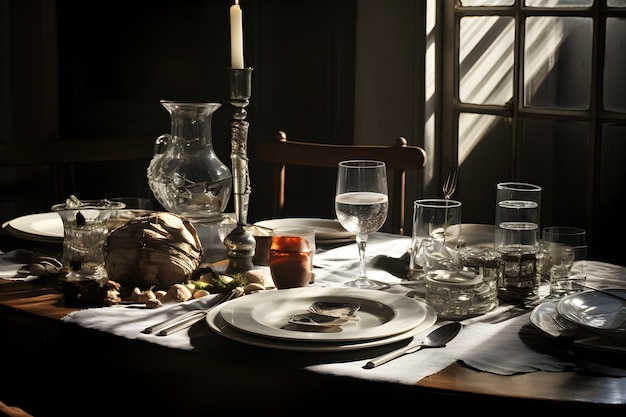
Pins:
<point x="398" y="158"/>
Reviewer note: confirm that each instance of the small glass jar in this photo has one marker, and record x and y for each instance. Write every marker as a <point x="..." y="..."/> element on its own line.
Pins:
<point x="290" y="261"/>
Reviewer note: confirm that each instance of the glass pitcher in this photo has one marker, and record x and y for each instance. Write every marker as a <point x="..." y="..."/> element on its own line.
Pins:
<point x="185" y="174"/>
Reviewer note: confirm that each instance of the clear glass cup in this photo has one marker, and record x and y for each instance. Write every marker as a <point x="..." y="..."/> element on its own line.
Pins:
<point x="84" y="234"/>
<point x="518" y="209"/>
<point x="561" y="247"/>
<point x="516" y="237"/>
<point x="436" y="231"/>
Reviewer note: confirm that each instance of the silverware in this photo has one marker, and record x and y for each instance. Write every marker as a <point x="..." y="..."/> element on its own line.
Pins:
<point x="235" y="293"/>
<point x="188" y="319"/>
<point x="435" y="339"/>
<point x="449" y="186"/>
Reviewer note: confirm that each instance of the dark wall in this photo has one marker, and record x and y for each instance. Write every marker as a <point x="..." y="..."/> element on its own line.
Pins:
<point x="117" y="59"/>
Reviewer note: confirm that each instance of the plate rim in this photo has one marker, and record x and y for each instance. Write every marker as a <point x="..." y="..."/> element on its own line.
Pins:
<point x="594" y="343"/>
<point x="14" y="227"/>
<point x="232" y="333"/>
<point x="244" y="309"/>
<point x="341" y="233"/>
<point x="617" y="331"/>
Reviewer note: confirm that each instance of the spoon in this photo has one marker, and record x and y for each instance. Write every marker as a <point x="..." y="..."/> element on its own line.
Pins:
<point x="435" y="339"/>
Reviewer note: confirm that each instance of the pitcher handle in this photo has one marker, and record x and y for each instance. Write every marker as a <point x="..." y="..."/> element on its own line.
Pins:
<point x="161" y="144"/>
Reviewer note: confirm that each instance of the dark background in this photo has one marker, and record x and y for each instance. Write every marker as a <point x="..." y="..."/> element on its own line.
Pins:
<point x="116" y="60"/>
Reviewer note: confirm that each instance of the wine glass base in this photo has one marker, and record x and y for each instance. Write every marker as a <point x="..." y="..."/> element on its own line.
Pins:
<point x="369" y="284"/>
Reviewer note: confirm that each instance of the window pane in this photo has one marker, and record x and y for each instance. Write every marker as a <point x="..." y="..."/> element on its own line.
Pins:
<point x="615" y="65"/>
<point x="559" y="3"/>
<point x="469" y="3"/>
<point x="612" y="187"/>
<point x="486" y="60"/>
<point x="484" y="160"/>
<point x="616" y="3"/>
<point x="554" y="156"/>
<point x="557" y="62"/>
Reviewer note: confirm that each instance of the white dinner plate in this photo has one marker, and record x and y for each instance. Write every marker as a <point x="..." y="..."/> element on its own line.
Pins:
<point x="43" y="227"/>
<point x="545" y="318"/>
<point x="267" y="314"/>
<point x="596" y="311"/>
<point x="475" y="234"/>
<point x="325" y="229"/>
<point x="216" y="322"/>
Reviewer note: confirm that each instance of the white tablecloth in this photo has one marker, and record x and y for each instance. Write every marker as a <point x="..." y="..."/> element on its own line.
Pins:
<point x="496" y="348"/>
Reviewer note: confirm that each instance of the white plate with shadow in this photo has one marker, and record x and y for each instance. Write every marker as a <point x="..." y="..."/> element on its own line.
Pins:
<point x="267" y="314"/>
<point x="325" y="229"/>
<point x="216" y="322"/>
<point x="475" y="234"/>
<point x="42" y="227"/>
<point x="596" y="311"/>
<point x="547" y="320"/>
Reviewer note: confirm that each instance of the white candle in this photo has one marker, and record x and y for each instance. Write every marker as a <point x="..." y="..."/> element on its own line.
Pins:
<point x="236" y="36"/>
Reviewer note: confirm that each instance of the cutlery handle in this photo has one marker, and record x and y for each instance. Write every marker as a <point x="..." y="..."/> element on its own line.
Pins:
<point x="167" y="323"/>
<point x="182" y="325"/>
<point x="391" y="356"/>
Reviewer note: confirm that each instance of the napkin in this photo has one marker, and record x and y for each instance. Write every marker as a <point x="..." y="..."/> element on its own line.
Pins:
<point x="129" y="321"/>
<point x="11" y="262"/>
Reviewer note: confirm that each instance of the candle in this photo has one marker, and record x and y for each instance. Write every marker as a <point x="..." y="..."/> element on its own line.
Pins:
<point x="236" y="36"/>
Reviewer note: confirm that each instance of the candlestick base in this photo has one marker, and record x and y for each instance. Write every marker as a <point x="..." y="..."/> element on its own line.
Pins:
<point x="240" y="244"/>
<point x="240" y="247"/>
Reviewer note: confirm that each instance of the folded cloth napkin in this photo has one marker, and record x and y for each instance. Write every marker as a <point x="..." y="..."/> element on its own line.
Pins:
<point x="11" y="262"/>
<point x="129" y="321"/>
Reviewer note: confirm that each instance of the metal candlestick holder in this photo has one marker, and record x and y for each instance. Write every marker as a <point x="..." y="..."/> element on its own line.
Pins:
<point x="240" y="244"/>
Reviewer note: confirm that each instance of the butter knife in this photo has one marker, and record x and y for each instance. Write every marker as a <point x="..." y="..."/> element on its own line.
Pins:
<point x="435" y="339"/>
<point x="170" y="322"/>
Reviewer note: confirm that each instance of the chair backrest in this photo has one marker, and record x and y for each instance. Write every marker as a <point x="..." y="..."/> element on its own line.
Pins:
<point x="399" y="158"/>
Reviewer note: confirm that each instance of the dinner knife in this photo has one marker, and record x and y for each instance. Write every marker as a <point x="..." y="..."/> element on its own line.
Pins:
<point x="437" y="338"/>
<point x="169" y="322"/>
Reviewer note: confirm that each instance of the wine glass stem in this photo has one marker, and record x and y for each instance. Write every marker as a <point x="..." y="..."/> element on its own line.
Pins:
<point x="361" y="241"/>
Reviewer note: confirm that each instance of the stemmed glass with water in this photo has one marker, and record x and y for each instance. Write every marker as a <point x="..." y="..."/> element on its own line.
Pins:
<point x="361" y="204"/>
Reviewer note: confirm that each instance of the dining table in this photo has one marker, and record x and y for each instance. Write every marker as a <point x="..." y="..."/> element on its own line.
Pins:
<point x="94" y="361"/>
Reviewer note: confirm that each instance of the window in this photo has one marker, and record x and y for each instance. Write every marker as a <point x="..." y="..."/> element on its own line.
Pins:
<point x="531" y="90"/>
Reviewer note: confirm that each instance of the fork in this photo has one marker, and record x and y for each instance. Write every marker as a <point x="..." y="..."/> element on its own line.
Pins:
<point x="449" y="186"/>
<point x="187" y="320"/>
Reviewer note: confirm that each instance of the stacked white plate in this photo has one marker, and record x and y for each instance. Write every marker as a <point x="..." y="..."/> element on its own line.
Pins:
<point x="592" y="319"/>
<point x="40" y="227"/>
<point x="262" y="319"/>
<point x="327" y="231"/>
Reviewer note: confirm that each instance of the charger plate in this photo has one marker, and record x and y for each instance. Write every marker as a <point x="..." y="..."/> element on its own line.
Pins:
<point x="216" y="322"/>
<point x="380" y="315"/>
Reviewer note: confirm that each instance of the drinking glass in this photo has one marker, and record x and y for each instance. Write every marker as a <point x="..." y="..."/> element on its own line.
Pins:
<point x="361" y="204"/>
<point x="436" y="230"/>
<point x="562" y="246"/>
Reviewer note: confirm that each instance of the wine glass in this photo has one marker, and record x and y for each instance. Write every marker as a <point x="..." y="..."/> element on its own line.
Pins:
<point x="361" y="204"/>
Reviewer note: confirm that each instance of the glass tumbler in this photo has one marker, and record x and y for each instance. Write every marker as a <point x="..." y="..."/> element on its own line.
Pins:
<point x="84" y="234"/>
<point x="436" y="230"/>
<point x="516" y="237"/>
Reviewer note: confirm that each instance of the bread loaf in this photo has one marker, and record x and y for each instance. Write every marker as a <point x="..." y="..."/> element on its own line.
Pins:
<point x="153" y="251"/>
